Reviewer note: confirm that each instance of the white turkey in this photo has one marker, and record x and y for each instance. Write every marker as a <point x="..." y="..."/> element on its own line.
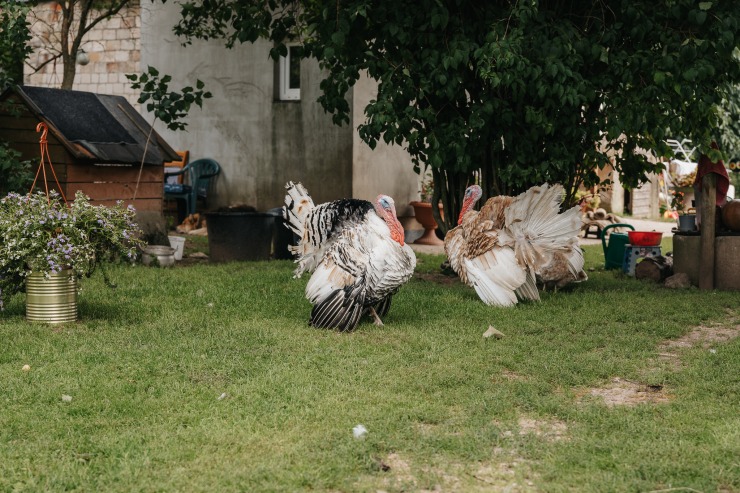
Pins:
<point x="515" y="244"/>
<point x="356" y="252"/>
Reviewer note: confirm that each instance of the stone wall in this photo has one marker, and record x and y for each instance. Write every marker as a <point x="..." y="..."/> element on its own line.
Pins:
<point x="113" y="47"/>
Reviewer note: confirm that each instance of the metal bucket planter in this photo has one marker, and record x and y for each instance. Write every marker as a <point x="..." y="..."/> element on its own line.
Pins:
<point x="687" y="222"/>
<point x="53" y="299"/>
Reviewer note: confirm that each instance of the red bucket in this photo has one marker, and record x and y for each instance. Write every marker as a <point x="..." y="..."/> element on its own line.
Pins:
<point x="644" y="238"/>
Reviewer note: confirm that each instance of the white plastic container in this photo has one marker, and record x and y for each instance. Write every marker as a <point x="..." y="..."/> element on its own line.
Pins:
<point x="178" y="243"/>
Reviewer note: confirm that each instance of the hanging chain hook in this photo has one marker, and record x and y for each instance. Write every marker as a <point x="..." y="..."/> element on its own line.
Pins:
<point x="44" y="151"/>
<point x="44" y="129"/>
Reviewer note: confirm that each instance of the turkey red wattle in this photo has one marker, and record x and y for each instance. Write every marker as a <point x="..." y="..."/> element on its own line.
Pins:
<point x="472" y="194"/>
<point x="385" y="207"/>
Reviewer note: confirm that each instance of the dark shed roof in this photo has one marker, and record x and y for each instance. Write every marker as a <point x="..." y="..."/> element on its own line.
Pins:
<point x="96" y="127"/>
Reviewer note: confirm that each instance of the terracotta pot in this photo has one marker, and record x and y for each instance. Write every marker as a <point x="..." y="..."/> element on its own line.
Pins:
<point x="423" y="213"/>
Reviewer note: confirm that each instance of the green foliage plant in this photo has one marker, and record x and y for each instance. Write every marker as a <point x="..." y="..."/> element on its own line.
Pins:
<point x="15" y="35"/>
<point x="169" y="107"/>
<point x="729" y="139"/>
<point x="509" y="93"/>
<point x="15" y="175"/>
<point x="40" y="233"/>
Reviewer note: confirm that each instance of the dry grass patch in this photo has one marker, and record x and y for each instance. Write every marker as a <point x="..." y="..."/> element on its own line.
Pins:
<point x="402" y="475"/>
<point x="501" y="473"/>
<point x="509" y="376"/>
<point x="550" y="430"/>
<point x="705" y="336"/>
<point x="509" y="476"/>
<point x="620" y="392"/>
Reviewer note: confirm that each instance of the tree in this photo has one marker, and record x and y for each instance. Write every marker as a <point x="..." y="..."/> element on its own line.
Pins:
<point x="508" y="93"/>
<point x="14" y="38"/>
<point x="67" y="30"/>
<point x="15" y="175"/>
<point x="729" y="139"/>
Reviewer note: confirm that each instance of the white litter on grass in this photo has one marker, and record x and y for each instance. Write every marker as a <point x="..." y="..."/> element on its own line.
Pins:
<point x="66" y="398"/>
<point x="26" y="368"/>
<point x="359" y="431"/>
<point x="493" y="332"/>
<point x="713" y="351"/>
<point x="222" y="396"/>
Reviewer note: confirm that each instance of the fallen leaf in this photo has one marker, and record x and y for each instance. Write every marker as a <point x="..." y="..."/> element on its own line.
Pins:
<point x="493" y="332"/>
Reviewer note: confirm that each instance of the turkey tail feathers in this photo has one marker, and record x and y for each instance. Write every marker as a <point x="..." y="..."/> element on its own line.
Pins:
<point x="340" y="310"/>
<point x="536" y="227"/>
<point x="298" y="206"/>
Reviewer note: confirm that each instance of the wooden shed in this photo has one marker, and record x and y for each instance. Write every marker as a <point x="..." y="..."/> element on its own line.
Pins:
<point x="96" y="143"/>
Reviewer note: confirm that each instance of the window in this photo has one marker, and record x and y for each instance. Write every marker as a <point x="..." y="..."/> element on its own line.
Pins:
<point x="289" y="71"/>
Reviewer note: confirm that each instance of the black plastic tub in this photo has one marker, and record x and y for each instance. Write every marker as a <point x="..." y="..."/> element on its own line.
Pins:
<point x="283" y="236"/>
<point x="239" y="235"/>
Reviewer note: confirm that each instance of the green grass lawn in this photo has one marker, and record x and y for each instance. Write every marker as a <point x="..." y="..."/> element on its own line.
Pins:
<point x="207" y="378"/>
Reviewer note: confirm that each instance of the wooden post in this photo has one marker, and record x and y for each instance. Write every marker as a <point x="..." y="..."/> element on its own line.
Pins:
<point x="708" y="202"/>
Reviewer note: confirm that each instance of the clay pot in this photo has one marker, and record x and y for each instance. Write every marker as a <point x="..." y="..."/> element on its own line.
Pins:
<point x="731" y="215"/>
<point x="423" y="213"/>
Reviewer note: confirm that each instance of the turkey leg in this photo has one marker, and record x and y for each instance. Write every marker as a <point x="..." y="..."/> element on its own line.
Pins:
<point x="378" y="322"/>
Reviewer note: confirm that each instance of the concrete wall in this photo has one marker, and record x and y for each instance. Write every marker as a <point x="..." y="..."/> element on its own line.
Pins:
<point x="644" y="201"/>
<point x="260" y="142"/>
<point x="386" y="169"/>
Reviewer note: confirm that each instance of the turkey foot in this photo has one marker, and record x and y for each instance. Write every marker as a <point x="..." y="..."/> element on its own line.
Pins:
<point x="378" y="322"/>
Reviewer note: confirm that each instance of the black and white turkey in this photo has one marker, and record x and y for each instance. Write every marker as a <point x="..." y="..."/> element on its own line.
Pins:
<point x="356" y="252"/>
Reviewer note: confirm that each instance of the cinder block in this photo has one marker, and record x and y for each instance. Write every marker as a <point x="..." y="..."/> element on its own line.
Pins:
<point x="687" y="256"/>
<point x="727" y="266"/>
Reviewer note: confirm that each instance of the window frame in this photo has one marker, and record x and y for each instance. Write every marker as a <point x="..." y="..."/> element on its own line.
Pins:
<point x="287" y="93"/>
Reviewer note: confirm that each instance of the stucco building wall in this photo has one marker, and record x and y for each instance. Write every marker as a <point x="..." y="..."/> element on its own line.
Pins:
<point x="260" y="141"/>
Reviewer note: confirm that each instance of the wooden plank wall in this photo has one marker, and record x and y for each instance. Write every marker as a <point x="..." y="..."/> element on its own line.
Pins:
<point x="104" y="184"/>
<point x="108" y="184"/>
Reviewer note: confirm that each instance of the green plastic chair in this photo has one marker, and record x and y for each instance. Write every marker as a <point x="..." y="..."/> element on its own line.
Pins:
<point x="199" y="174"/>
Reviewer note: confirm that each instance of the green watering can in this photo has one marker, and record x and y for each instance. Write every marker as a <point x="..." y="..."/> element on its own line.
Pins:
<point x="614" y="251"/>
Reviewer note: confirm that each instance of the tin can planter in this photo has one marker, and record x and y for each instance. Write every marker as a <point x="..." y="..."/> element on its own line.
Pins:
<point x="53" y="299"/>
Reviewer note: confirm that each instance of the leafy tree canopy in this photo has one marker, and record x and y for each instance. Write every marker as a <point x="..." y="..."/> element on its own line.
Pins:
<point x="15" y="175"/>
<point x="509" y="93"/>
<point x="14" y="38"/>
